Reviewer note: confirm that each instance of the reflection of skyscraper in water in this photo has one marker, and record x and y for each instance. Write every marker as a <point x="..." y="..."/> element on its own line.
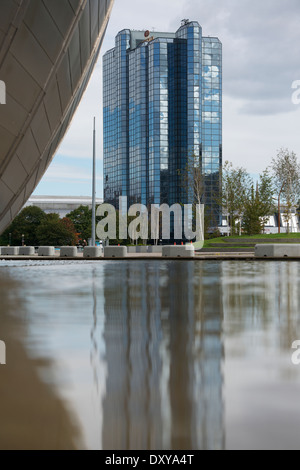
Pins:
<point x="132" y="336"/>
<point x="196" y="347"/>
<point x="164" y="356"/>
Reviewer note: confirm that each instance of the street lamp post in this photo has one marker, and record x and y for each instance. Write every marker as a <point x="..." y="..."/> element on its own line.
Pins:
<point x="278" y="201"/>
<point x="227" y="215"/>
<point x="94" y="188"/>
<point x="23" y="241"/>
<point x="279" y="208"/>
<point x="279" y="214"/>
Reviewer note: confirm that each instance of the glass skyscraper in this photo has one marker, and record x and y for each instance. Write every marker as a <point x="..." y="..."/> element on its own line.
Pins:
<point x="162" y="108"/>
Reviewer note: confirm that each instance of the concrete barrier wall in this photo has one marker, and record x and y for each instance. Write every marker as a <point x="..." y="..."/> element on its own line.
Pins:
<point x="155" y="249"/>
<point x="178" y="251"/>
<point x="138" y="249"/>
<point x="10" y="251"/>
<point x="92" y="252"/>
<point x="27" y="251"/>
<point x="159" y="248"/>
<point x="142" y="249"/>
<point x="115" y="251"/>
<point x="277" y="250"/>
<point x="68" y="252"/>
<point x="189" y="246"/>
<point x="46" y="251"/>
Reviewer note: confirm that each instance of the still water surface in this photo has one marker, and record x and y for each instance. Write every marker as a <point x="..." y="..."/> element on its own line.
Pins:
<point x="149" y="355"/>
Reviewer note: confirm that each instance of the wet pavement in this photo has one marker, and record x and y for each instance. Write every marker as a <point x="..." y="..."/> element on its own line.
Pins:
<point x="149" y="355"/>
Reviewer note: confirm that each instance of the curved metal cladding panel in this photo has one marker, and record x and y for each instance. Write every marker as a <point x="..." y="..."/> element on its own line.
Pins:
<point x="48" y="49"/>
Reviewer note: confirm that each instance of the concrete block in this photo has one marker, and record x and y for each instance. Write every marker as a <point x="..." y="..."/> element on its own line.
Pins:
<point x="155" y="249"/>
<point x="10" y="251"/>
<point x="46" y="251"/>
<point x="178" y="251"/>
<point x="26" y="250"/>
<point x="189" y="246"/>
<point x="68" y="252"/>
<point x="277" y="250"/>
<point x="115" y="251"/>
<point x="92" y="252"/>
<point x="142" y="249"/>
<point x="137" y="249"/>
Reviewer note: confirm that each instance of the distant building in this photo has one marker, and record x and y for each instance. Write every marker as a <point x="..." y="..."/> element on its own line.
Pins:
<point x="272" y="223"/>
<point x="162" y="104"/>
<point x="61" y="205"/>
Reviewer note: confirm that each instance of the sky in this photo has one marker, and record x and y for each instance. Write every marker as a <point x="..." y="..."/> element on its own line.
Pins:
<point x="260" y="63"/>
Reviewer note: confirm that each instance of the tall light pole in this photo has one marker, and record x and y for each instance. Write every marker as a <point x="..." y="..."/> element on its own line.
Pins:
<point x="227" y="215"/>
<point x="279" y="207"/>
<point x="94" y="188"/>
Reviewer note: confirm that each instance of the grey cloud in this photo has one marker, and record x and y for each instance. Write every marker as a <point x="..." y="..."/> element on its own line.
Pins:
<point x="260" y="49"/>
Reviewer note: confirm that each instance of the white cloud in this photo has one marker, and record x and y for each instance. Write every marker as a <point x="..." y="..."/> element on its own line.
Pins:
<point x="251" y="140"/>
<point x="260" y="46"/>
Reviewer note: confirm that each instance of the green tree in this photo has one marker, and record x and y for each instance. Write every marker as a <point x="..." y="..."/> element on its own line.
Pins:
<point x="68" y="224"/>
<point x="26" y="223"/>
<point x="82" y="220"/>
<point x="286" y="172"/>
<point x="265" y="192"/>
<point x="52" y="216"/>
<point x="236" y="188"/>
<point x="258" y="205"/>
<point x="55" y="232"/>
<point x="252" y="222"/>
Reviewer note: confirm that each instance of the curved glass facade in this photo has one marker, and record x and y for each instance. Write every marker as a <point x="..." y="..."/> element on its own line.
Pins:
<point x="162" y="105"/>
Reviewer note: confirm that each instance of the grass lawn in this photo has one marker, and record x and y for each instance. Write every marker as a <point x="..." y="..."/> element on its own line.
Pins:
<point x="244" y="238"/>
